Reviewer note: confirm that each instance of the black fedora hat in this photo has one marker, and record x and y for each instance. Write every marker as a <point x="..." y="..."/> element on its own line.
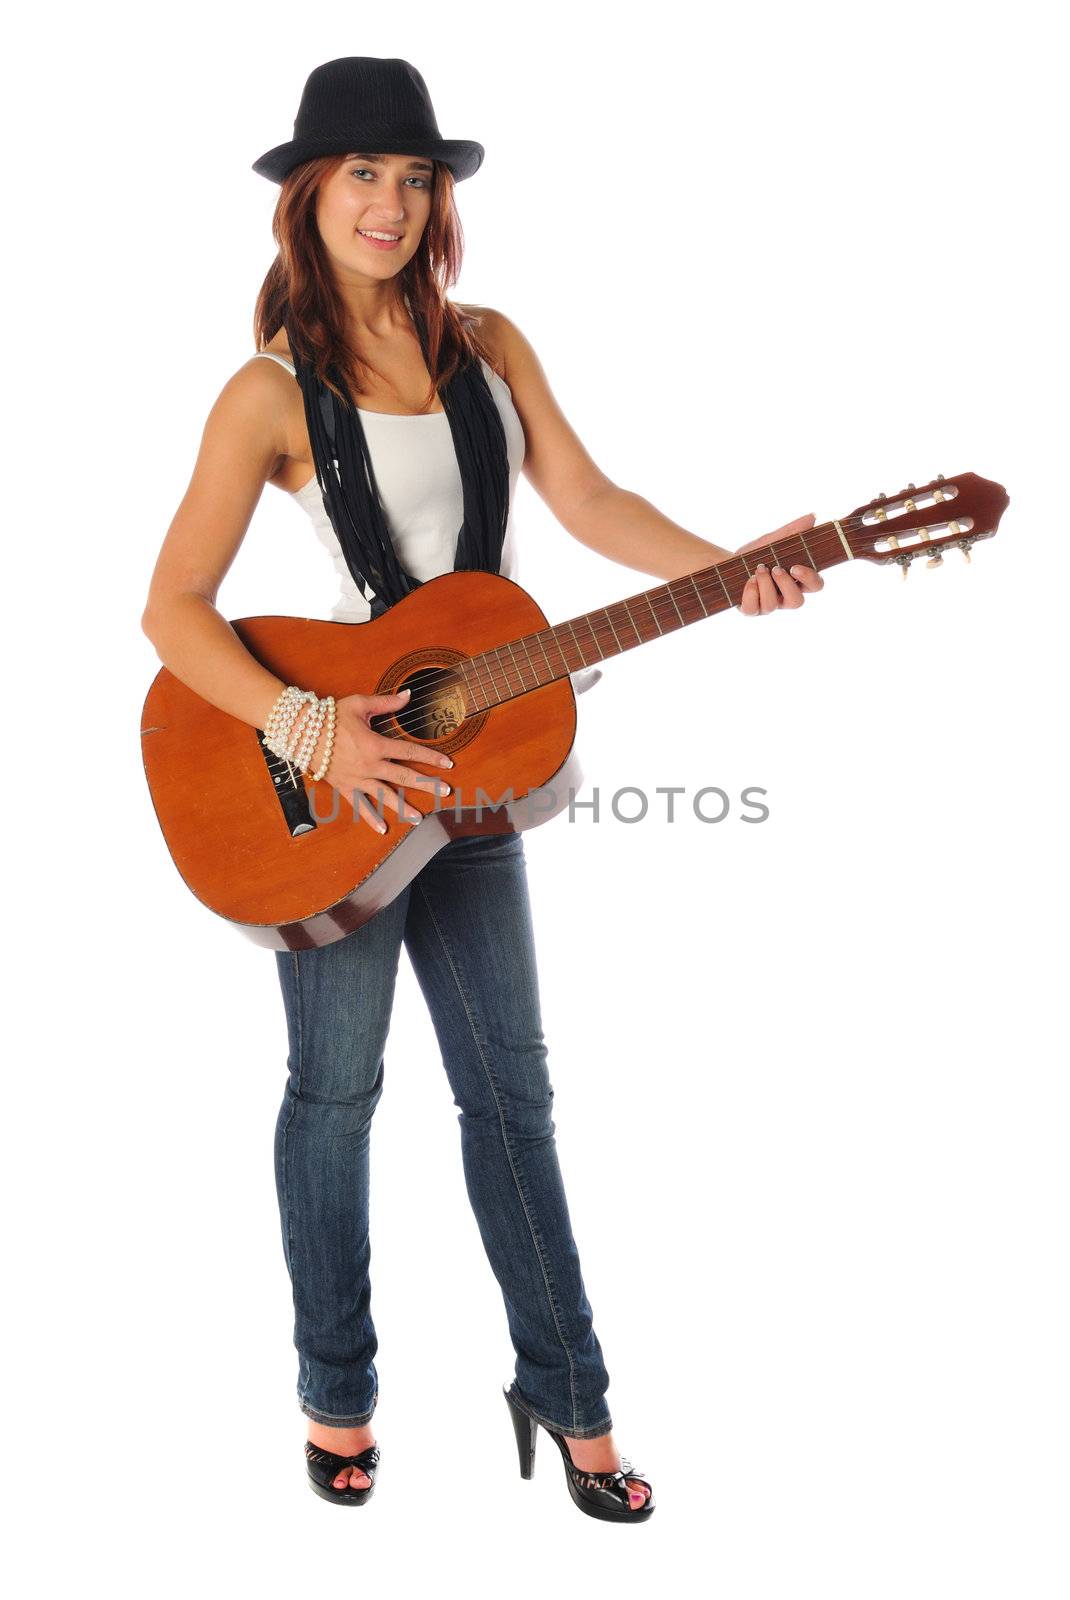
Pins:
<point x="370" y="103"/>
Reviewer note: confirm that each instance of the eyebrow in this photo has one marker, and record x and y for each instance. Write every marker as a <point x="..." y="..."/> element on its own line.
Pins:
<point x="362" y="155"/>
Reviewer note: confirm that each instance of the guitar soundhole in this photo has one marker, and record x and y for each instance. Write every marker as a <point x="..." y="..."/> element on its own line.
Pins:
<point x="435" y="709"/>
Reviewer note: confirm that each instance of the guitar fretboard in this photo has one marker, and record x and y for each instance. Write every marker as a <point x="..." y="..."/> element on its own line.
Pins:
<point x="527" y="663"/>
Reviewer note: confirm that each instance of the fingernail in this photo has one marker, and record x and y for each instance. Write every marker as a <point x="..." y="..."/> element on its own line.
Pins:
<point x="778" y="569"/>
<point x="446" y="762"/>
<point x="761" y="566"/>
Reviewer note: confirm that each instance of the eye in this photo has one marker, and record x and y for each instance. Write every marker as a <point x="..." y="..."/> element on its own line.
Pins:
<point x="356" y="171"/>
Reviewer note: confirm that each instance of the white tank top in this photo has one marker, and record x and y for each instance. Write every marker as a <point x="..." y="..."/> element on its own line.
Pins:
<point x="419" y="483"/>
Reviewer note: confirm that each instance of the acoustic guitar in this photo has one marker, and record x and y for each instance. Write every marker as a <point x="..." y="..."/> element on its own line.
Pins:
<point x="291" y="863"/>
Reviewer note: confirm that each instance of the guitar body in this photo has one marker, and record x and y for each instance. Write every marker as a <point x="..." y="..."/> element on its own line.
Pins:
<point x="286" y="859"/>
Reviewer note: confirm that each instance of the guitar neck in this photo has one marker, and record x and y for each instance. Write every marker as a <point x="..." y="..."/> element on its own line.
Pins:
<point x="524" y="664"/>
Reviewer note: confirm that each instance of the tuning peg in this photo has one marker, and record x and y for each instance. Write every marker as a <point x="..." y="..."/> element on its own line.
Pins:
<point x="939" y="477"/>
<point x="912" y="487"/>
<point x="935" y="561"/>
<point x="904" y="562"/>
<point x="964" y="546"/>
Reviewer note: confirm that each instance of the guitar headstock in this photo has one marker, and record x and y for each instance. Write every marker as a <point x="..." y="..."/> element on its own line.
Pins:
<point x="948" y="513"/>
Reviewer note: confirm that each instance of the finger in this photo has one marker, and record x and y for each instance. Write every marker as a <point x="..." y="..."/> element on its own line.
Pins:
<point x="405" y="750"/>
<point x="384" y="794"/>
<point x="748" y="600"/>
<point x="808" y="578"/>
<point x="416" y="780"/>
<point x="791" y="595"/>
<point x="768" y="594"/>
<point x="377" y="703"/>
<point x="366" y="811"/>
<point x="764" y="539"/>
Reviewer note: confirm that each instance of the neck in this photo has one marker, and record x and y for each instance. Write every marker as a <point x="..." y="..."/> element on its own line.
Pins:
<point x="525" y="664"/>
<point x="373" y="311"/>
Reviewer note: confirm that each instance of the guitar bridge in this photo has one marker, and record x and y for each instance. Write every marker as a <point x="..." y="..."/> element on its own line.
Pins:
<point x="289" y="790"/>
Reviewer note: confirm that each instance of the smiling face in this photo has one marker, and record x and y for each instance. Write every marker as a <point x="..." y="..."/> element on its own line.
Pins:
<point x="374" y="194"/>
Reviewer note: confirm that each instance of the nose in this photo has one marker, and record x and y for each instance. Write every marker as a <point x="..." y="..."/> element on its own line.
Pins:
<point x="396" y="213"/>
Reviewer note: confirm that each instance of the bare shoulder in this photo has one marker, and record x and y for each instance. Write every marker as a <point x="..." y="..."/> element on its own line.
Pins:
<point x="242" y="443"/>
<point x="556" y="461"/>
<point x="257" y="401"/>
<point x="244" y="439"/>
<point x="265" y="377"/>
<point x="256" y="381"/>
<point x="495" y="333"/>
<point x="514" y="356"/>
<point x="268" y="380"/>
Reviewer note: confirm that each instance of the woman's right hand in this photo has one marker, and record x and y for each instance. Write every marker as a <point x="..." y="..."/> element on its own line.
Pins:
<point x="365" y="763"/>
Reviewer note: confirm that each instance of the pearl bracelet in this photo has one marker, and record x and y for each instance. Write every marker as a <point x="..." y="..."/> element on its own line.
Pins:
<point x="310" y="733"/>
<point x="281" y="719"/>
<point x="285" y="721"/>
<point x="294" y="724"/>
<point x="329" y="746"/>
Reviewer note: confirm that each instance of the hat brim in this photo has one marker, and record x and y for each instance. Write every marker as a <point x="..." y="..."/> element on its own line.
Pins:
<point x="463" y="157"/>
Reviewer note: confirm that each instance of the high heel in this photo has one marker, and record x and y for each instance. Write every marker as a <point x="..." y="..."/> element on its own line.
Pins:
<point x="599" y="1494"/>
<point x="324" y="1466"/>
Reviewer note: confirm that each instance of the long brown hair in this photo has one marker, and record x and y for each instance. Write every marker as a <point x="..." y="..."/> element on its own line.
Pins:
<point x="300" y="287"/>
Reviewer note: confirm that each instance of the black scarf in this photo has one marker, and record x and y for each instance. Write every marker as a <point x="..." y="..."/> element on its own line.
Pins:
<point x="347" y="479"/>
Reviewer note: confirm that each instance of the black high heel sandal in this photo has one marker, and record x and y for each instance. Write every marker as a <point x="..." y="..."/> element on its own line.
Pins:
<point x="599" y="1494"/>
<point x="324" y="1466"/>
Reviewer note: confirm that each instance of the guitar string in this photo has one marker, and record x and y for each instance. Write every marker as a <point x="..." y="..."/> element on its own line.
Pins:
<point x="483" y="678"/>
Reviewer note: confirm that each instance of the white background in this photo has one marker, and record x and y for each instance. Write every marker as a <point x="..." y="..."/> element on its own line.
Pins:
<point x="810" y="1075"/>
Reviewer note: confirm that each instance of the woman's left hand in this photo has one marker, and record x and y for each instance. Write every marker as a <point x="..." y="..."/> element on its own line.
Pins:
<point x="769" y="591"/>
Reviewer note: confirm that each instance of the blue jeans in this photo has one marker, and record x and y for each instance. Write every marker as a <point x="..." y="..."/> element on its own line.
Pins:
<point x="465" y="920"/>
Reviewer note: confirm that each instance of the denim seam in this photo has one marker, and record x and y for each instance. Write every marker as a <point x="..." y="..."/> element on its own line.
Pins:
<point x="562" y="1427"/>
<point x="535" y="1236"/>
<point x="330" y="1420"/>
<point x="299" y="1032"/>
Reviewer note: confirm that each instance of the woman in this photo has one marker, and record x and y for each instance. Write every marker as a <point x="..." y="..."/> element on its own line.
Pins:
<point x="369" y="240"/>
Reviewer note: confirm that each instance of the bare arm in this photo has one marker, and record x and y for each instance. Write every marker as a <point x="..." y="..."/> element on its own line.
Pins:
<point x="598" y="512"/>
<point x="616" y="522"/>
<point x="241" y="447"/>
<point x="620" y="524"/>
